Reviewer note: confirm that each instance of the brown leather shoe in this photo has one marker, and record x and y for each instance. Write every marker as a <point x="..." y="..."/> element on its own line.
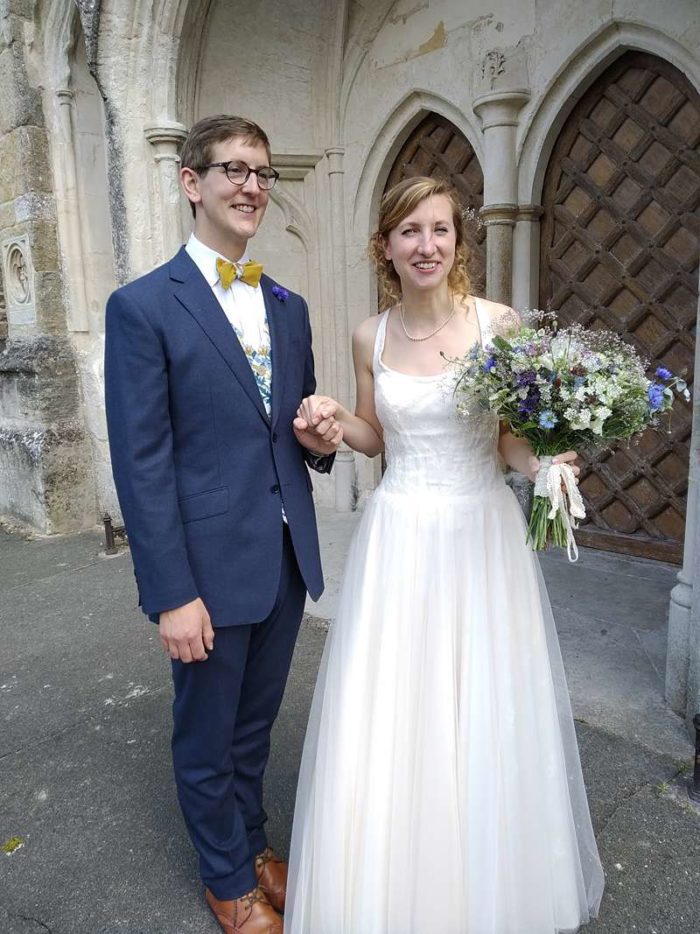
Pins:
<point x="249" y="914"/>
<point x="272" y="877"/>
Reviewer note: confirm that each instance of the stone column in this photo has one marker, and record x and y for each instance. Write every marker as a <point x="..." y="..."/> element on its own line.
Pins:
<point x="344" y="470"/>
<point x="73" y="251"/>
<point x="526" y="256"/>
<point x="683" y="647"/>
<point x="498" y="111"/>
<point x="46" y="478"/>
<point x="167" y="137"/>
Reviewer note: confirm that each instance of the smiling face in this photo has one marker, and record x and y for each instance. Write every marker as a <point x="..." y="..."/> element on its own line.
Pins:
<point x="422" y="245"/>
<point x="227" y="215"/>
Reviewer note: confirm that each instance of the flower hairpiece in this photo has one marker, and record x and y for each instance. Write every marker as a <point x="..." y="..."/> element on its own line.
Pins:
<point x="280" y="293"/>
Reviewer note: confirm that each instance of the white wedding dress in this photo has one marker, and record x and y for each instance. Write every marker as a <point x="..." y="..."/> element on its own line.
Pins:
<point x="440" y="789"/>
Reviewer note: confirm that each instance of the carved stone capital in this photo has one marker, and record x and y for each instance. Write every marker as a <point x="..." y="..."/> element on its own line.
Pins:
<point x="295" y="166"/>
<point x="166" y="137"/>
<point x="505" y="214"/>
<point x="530" y="212"/>
<point x="500" y="108"/>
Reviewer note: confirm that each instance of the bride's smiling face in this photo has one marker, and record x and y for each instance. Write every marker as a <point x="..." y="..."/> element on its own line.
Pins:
<point x="422" y="245"/>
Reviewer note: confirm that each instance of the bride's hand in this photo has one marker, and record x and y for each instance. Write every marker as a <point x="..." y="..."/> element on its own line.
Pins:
<point x="316" y="427"/>
<point x="317" y="414"/>
<point x="568" y="457"/>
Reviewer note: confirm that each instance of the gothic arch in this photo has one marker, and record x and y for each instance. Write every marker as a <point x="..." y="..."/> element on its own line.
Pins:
<point x="387" y="144"/>
<point x="573" y="79"/>
<point x="296" y="219"/>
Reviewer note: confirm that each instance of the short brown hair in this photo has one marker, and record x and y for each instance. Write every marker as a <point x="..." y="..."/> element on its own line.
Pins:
<point x="206" y="133"/>
<point x="400" y="201"/>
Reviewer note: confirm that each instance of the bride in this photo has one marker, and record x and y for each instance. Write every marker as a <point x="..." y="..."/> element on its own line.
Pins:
<point x="440" y="789"/>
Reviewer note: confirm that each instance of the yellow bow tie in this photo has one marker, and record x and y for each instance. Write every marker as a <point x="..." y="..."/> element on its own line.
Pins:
<point x="249" y="272"/>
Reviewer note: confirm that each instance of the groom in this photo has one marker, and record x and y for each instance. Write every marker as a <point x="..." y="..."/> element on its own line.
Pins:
<point x="206" y="364"/>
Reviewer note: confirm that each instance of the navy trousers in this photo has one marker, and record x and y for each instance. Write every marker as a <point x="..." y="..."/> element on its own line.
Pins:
<point x="223" y="712"/>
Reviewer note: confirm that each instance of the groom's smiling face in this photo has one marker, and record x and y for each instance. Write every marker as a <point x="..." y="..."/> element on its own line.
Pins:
<point x="229" y="215"/>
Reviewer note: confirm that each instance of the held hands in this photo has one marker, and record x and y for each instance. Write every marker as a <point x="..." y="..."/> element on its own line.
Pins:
<point x="186" y="632"/>
<point x="316" y="427"/>
<point x="568" y="457"/>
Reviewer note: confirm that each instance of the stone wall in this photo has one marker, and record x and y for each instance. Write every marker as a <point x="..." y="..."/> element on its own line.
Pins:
<point x="45" y="463"/>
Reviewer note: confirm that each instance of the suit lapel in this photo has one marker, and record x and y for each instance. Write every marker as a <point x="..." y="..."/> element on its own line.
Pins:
<point x="279" y="341"/>
<point x="194" y="293"/>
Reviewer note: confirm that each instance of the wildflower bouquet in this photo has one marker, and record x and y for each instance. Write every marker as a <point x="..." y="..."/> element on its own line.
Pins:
<point x="562" y="389"/>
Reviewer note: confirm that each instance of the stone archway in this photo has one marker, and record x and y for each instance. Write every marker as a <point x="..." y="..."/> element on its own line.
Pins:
<point x="619" y="249"/>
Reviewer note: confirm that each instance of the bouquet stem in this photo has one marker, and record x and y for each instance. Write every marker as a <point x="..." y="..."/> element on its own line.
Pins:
<point x="543" y="531"/>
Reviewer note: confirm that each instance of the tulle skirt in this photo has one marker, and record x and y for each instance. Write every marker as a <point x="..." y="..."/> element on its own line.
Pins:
<point x="440" y="789"/>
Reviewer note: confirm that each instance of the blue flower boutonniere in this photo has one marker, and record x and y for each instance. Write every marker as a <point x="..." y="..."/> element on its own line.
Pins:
<point x="280" y="293"/>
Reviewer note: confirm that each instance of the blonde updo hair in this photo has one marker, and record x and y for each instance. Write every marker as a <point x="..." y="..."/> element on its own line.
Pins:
<point x="400" y="201"/>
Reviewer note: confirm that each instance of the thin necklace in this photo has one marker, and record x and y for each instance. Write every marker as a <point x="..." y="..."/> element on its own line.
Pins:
<point x="432" y="333"/>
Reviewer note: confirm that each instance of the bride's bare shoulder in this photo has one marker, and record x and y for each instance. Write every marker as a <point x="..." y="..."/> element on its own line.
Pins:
<point x="366" y="330"/>
<point x="498" y="312"/>
<point x="495" y="309"/>
<point x="363" y="339"/>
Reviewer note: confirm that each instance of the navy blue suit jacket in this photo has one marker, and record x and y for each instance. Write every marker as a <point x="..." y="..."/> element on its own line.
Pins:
<point x="200" y="470"/>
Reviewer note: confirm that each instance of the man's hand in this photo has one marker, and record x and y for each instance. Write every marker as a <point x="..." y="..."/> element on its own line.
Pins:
<point x="316" y="427"/>
<point x="186" y="632"/>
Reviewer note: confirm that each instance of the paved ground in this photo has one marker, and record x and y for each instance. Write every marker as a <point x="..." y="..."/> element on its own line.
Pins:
<point x="85" y="778"/>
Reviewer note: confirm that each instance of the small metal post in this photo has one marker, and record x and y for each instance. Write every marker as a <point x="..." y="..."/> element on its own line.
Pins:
<point x="694" y="783"/>
<point x="110" y="547"/>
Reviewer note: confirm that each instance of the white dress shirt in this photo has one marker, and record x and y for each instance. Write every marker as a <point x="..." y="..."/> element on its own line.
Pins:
<point x="243" y="305"/>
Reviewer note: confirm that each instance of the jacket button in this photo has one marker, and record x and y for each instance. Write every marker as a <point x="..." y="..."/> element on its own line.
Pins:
<point x="275" y="488"/>
<point x="274" y="437"/>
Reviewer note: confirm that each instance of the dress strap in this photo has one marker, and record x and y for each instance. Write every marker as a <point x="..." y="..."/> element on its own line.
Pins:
<point x="484" y="318"/>
<point x="379" y="339"/>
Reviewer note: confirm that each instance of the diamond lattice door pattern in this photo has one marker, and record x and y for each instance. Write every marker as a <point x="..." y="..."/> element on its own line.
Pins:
<point x="620" y="239"/>
<point x="438" y="149"/>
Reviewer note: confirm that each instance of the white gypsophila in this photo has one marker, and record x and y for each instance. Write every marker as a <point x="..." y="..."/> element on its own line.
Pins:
<point x="565" y="347"/>
<point x="592" y="363"/>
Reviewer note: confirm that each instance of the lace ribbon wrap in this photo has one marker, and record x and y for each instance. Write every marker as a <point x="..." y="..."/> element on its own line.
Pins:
<point x="557" y="483"/>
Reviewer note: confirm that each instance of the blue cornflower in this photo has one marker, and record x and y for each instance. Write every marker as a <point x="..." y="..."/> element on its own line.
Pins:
<point x="280" y="293"/>
<point x="548" y="419"/>
<point x="663" y="373"/>
<point x="489" y="364"/>
<point x="655" y="394"/>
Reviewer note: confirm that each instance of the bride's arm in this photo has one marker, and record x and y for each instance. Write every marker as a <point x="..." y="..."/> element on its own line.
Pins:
<point x="361" y="431"/>
<point x="518" y="454"/>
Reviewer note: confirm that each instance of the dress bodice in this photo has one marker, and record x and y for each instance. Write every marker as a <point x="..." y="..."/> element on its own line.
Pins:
<point x="429" y="447"/>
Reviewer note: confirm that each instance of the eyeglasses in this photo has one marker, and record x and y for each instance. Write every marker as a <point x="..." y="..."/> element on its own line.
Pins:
<point x="238" y="173"/>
